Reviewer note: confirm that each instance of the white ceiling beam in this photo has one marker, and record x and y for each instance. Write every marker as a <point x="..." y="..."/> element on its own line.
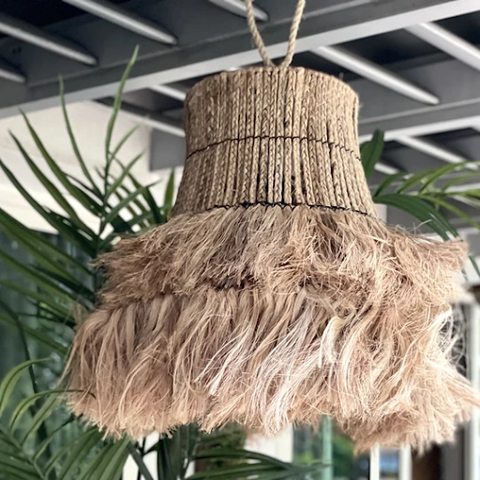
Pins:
<point x="40" y="38"/>
<point x="238" y="8"/>
<point x="457" y="84"/>
<point x="9" y="73"/>
<point x="333" y="22"/>
<point x="386" y="169"/>
<point x="433" y="149"/>
<point x="144" y="117"/>
<point x="376" y="73"/>
<point x="426" y="129"/>
<point x="448" y="42"/>
<point x="125" y="19"/>
<point x="178" y="93"/>
<point x="467" y="186"/>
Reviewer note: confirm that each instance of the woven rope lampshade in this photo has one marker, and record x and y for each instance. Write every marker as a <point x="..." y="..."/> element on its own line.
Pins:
<point x="274" y="294"/>
<point x="254" y="137"/>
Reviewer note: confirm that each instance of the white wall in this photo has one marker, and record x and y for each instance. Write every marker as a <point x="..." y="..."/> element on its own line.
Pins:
<point x="90" y="124"/>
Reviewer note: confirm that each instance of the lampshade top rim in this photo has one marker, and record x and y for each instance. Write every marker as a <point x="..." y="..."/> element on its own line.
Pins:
<point x="335" y="82"/>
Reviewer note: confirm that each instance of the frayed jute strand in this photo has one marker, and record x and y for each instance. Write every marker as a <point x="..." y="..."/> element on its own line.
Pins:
<point x="274" y="294"/>
<point x="270" y="315"/>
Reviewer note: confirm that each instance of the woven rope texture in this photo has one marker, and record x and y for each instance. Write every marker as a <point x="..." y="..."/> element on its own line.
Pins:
<point x="284" y="136"/>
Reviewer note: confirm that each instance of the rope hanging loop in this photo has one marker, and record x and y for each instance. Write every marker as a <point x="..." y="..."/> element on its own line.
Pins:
<point x="257" y="37"/>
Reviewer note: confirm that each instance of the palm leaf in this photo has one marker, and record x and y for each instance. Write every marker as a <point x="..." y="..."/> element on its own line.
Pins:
<point x="49" y="301"/>
<point x="25" y="405"/>
<point x="107" y="460"/>
<point x="133" y="208"/>
<point x="13" y="376"/>
<point x="413" y="180"/>
<point x="34" y="242"/>
<point x="421" y="210"/>
<point x="113" y="213"/>
<point x="88" y="202"/>
<point x="169" y="193"/>
<point x="43" y="282"/>
<point x="438" y="173"/>
<point x="81" y="293"/>
<point x="76" y="452"/>
<point x="116" y="107"/>
<point x="231" y="453"/>
<point x="73" y="141"/>
<point x="21" y="330"/>
<point x="124" y="140"/>
<point x="118" y="181"/>
<point x="137" y="457"/>
<point x="460" y="180"/>
<point x="448" y="206"/>
<point x="14" y="460"/>
<point x="52" y="189"/>
<point x="370" y="152"/>
<point x="390" y="180"/>
<point x="41" y="257"/>
<point x="147" y="195"/>
<point x="39" y="418"/>
<point x="36" y="335"/>
<point x="40" y="450"/>
<point x="55" y="220"/>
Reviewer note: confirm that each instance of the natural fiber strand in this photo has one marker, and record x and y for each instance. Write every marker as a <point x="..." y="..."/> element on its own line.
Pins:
<point x="281" y="315"/>
<point x="292" y="39"/>
<point x="301" y="116"/>
<point x="252" y="25"/>
<point x="257" y="37"/>
<point x="274" y="294"/>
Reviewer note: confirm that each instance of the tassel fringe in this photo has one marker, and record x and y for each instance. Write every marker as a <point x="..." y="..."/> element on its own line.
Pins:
<point x="269" y="315"/>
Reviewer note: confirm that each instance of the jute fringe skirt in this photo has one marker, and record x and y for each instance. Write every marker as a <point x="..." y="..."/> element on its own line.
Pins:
<point x="272" y="315"/>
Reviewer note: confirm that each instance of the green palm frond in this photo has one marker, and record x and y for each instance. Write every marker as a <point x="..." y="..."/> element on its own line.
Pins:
<point x="427" y="195"/>
<point x="23" y="447"/>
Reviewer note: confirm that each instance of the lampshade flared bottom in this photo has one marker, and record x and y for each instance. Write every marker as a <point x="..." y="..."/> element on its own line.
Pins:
<point x="267" y="316"/>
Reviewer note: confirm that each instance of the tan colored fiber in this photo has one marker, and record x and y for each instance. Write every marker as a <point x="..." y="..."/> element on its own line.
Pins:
<point x="252" y="25"/>
<point x="274" y="294"/>
<point x="292" y="39"/>
<point x="299" y="109"/>
<point x="271" y="315"/>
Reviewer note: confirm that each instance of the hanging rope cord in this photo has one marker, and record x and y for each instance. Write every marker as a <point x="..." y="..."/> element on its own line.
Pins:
<point x="257" y="37"/>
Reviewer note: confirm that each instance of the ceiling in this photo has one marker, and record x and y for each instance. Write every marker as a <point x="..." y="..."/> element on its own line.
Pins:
<point x="415" y="64"/>
<point x="42" y="13"/>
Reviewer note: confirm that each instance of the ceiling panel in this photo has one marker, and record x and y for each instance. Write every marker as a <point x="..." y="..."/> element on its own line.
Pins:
<point x="212" y="39"/>
<point x="43" y="12"/>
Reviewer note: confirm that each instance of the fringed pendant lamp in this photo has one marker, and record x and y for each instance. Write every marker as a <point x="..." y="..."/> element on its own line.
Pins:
<point x="274" y="294"/>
